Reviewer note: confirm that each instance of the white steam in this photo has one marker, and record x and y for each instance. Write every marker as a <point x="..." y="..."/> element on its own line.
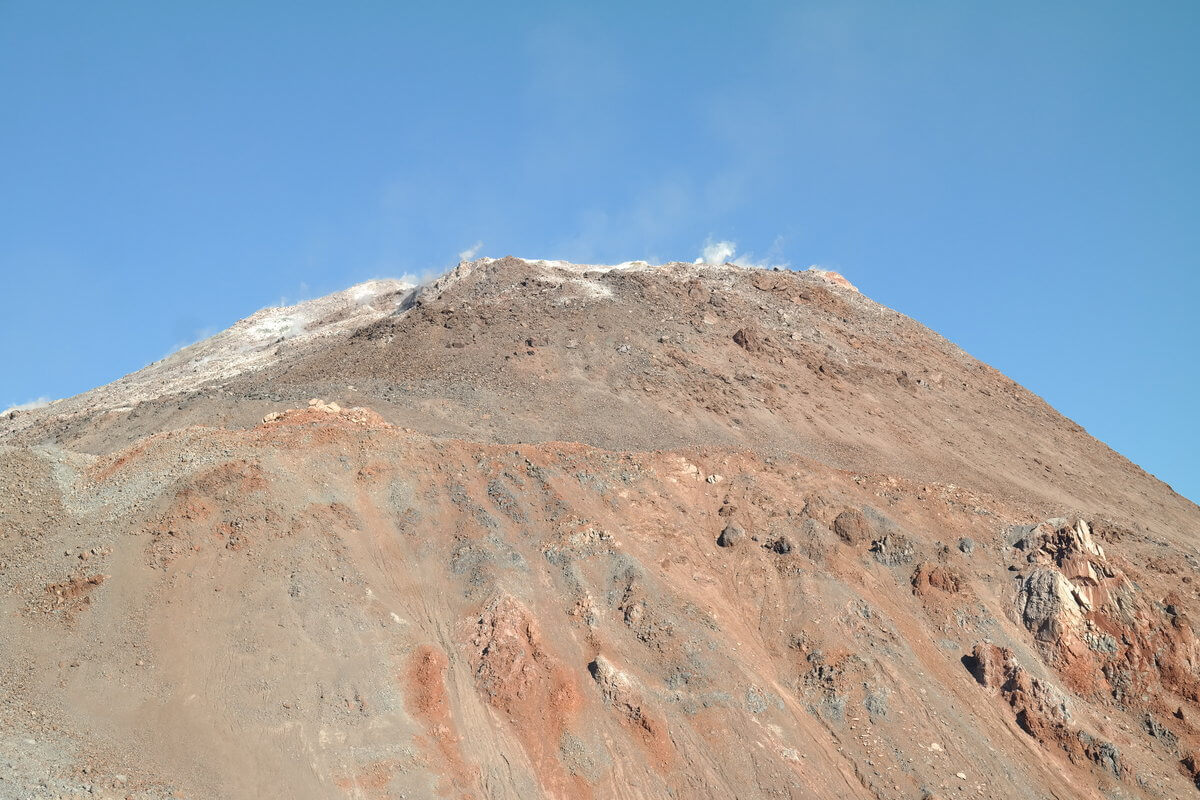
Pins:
<point x="725" y="252"/>
<point x="717" y="252"/>
<point x="40" y="402"/>
<point x="470" y="252"/>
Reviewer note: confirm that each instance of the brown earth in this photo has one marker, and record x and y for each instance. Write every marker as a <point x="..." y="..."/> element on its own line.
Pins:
<point x="570" y="532"/>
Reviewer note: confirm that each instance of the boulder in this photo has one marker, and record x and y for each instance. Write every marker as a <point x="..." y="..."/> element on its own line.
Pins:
<point x="782" y="546"/>
<point x="731" y="535"/>
<point x="852" y="527"/>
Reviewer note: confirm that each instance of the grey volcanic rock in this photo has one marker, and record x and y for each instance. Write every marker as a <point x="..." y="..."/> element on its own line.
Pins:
<point x="731" y="535"/>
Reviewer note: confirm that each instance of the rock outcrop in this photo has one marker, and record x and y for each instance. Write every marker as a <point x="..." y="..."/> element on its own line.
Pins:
<point x="1039" y="710"/>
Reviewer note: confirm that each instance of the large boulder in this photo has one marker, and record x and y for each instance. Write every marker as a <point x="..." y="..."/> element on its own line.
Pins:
<point x="731" y="535"/>
<point x="852" y="527"/>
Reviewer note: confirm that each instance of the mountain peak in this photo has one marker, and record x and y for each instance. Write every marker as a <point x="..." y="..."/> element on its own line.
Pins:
<point x="541" y="529"/>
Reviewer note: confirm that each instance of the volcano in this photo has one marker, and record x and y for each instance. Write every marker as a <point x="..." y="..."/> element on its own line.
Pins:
<point x="547" y="530"/>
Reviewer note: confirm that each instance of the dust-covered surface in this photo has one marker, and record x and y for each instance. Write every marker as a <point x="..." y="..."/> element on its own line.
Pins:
<point x="544" y="530"/>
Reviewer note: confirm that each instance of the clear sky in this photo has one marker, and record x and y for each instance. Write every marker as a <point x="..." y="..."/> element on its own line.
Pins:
<point x="1023" y="177"/>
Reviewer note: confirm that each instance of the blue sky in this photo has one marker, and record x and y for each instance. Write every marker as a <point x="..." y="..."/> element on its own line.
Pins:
<point x="1021" y="177"/>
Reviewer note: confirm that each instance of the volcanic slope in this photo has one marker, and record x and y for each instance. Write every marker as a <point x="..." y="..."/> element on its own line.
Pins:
<point x="550" y="530"/>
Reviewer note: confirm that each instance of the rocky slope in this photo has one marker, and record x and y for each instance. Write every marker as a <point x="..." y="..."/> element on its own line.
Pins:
<point x="550" y="530"/>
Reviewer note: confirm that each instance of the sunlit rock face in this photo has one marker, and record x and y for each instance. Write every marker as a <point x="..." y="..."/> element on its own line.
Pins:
<point x="539" y="529"/>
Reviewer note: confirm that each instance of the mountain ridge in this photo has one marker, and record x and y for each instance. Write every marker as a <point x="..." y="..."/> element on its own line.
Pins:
<point x="586" y="285"/>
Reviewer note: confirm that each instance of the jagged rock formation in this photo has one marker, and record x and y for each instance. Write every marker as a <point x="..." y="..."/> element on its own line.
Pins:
<point x="550" y="530"/>
<point x="1040" y="710"/>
